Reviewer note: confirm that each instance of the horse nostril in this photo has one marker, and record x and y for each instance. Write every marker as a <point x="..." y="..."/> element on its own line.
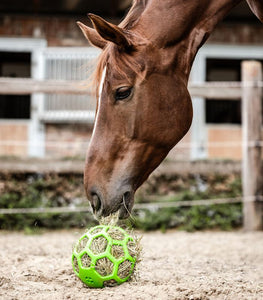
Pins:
<point x="95" y="202"/>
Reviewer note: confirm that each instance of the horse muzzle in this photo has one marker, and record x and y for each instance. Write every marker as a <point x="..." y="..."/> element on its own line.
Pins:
<point x="122" y="200"/>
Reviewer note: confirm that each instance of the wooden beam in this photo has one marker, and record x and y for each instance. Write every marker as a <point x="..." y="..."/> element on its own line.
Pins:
<point x="25" y="86"/>
<point x="251" y="130"/>
<point x="216" y="90"/>
<point x="19" y="86"/>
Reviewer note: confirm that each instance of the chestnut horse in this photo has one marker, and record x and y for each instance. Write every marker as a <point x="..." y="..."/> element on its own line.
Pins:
<point x="144" y="107"/>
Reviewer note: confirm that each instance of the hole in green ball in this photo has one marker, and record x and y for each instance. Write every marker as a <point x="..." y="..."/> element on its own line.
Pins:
<point x="75" y="264"/>
<point x="85" y="260"/>
<point x="110" y="283"/>
<point x="124" y="269"/>
<point x="117" y="251"/>
<point x="104" y="266"/>
<point x="98" y="245"/>
<point x="115" y="234"/>
<point x="81" y="244"/>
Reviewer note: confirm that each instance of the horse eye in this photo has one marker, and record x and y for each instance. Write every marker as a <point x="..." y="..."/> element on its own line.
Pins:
<point x="122" y="93"/>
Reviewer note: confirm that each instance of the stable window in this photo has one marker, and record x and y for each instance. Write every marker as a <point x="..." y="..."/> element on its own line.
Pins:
<point x="15" y="64"/>
<point x="223" y="111"/>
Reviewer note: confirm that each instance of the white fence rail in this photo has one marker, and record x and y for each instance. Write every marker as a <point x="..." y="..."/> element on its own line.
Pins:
<point x="22" y="86"/>
<point x="25" y="86"/>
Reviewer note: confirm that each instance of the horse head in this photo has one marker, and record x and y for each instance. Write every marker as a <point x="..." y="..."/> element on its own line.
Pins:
<point x="143" y="110"/>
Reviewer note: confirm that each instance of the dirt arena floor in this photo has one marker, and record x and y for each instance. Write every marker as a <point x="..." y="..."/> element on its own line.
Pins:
<point x="175" y="265"/>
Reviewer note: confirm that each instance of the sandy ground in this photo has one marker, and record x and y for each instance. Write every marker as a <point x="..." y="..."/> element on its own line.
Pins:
<point x="175" y="265"/>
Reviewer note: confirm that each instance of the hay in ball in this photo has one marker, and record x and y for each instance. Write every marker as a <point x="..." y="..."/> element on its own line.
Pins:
<point x="105" y="256"/>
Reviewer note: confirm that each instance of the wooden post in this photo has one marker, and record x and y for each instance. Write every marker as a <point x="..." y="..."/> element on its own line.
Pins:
<point x="251" y="130"/>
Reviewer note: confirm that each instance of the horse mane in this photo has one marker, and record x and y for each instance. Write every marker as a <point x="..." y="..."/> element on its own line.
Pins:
<point x="134" y="13"/>
<point x="120" y="60"/>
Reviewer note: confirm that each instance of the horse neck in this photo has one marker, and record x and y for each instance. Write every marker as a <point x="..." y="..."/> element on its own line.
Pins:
<point x="185" y="25"/>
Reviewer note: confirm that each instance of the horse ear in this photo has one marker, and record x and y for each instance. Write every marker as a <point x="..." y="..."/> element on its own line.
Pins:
<point x="257" y="8"/>
<point x="110" y="32"/>
<point x="92" y="36"/>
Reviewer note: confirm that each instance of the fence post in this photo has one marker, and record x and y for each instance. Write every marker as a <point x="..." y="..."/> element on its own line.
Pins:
<point x="251" y="131"/>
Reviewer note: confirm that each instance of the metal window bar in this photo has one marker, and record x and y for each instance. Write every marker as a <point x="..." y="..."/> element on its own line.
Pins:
<point x="73" y="65"/>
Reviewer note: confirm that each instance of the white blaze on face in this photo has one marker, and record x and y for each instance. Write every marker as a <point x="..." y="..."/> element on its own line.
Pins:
<point x="99" y="100"/>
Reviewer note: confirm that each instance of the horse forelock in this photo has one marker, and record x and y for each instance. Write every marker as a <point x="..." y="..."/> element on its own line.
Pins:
<point x="117" y="63"/>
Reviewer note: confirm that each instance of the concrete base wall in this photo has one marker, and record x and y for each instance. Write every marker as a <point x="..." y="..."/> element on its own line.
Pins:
<point x="224" y="142"/>
<point x="14" y="138"/>
<point x="64" y="140"/>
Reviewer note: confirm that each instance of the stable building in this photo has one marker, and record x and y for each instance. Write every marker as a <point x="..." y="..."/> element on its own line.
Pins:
<point x="40" y="40"/>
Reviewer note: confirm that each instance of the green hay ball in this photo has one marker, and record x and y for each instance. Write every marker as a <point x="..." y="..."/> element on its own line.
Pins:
<point x="104" y="256"/>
